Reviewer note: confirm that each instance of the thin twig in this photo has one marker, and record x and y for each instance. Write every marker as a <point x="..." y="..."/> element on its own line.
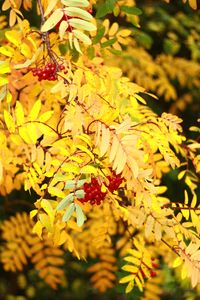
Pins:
<point x="45" y="36"/>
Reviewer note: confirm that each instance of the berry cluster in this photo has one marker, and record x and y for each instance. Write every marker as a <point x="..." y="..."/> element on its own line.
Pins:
<point x="114" y="182"/>
<point x="93" y="193"/>
<point x="47" y="72"/>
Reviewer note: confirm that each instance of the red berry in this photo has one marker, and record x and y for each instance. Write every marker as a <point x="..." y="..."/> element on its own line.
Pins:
<point x="153" y="274"/>
<point x="62" y="67"/>
<point x="90" y="11"/>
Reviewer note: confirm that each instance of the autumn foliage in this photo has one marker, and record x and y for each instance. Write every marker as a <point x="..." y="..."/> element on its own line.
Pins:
<point x="83" y="154"/>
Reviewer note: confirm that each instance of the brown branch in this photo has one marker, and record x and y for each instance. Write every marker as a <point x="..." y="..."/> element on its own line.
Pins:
<point x="171" y="247"/>
<point x="177" y="207"/>
<point x="45" y="36"/>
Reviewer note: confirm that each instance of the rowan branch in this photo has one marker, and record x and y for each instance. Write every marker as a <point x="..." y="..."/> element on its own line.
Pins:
<point x="45" y="36"/>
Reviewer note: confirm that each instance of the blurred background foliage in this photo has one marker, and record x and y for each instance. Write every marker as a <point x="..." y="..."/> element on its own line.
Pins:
<point x="162" y="55"/>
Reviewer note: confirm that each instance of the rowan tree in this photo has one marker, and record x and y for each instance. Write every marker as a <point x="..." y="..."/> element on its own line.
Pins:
<point x="83" y="154"/>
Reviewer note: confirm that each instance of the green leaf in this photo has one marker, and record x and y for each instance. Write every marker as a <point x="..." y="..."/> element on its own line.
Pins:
<point x="116" y="52"/>
<point x="132" y="10"/>
<point x="98" y="37"/>
<point x="91" y="52"/>
<point x="80" y="194"/>
<point x="79" y="215"/>
<point x="71" y="184"/>
<point x="78" y="12"/>
<point x="82" y="24"/>
<point x="170" y="46"/>
<point x="109" y="42"/>
<point x="81" y="3"/>
<point x="105" y="8"/>
<point x="63" y="48"/>
<point x="68" y="212"/>
<point x="144" y="39"/>
<point x="65" y="201"/>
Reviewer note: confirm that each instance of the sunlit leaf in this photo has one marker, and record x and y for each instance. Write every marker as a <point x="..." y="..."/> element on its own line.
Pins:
<point x="52" y="20"/>
<point x="68" y="212"/>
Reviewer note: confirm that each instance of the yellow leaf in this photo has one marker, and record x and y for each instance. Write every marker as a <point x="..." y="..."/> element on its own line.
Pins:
<point x="50" y="7"/>
<point x="82" y="37"/>
<point x="70" y="168"/>
<point x="8" y="97"/>
<point x="184" y="272"/>
<point x="62" y="238"/>
<point x="16" y="139"/>
<point x="1" y="171"/>
<point x="133" y="260"/>
<point x="9" y="121"/>
<point x="84" y="149"/>
<point x="4" y="67"/>
<point x="54" y="191"/>
<point x="7" y="51"/>
<point x="35" y="111"/>
<point x="62" y="29"/>
<point x="139" y="98"/>
<point x="45" y="221"/>
<point x="12" y="18"/>
<point x="113" y="29"/>
<point x="38" y="229"/>
<point x="46" y="116"/>
<point x="177" y="262"/>
<point x="6" y="5"/>
<point x="194" y="201"/>
<point x="114" y="149"/>
<point x="84" y="137"/>
<point x="193" y="4"/>
<point x="52" y="20"/>
<point x="121" y="163"/>
<point x="149" y="225"/>
<point x="45" y="204"/>
<point x="88" y="170"/>
<point x="139" y="284"/>
<point x="32" y="132"/>
<point x="19" y="113"/>
<point x="129" y="287"/>
<point x="3" y="81"/>
<point x="181" y="174"/>
<point x="25" y="50"/>
<point x="130" y="268"/>
<point x="124" y="32"/>
<point x="127" y="278"/>
<point x="77" y="45"/>
<point x="105" y="140"/>
<point x="24" y="135"/>
<point x="33" y="213"/>
<point x="14" y="37"/>
<point x="158" y="231"/>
